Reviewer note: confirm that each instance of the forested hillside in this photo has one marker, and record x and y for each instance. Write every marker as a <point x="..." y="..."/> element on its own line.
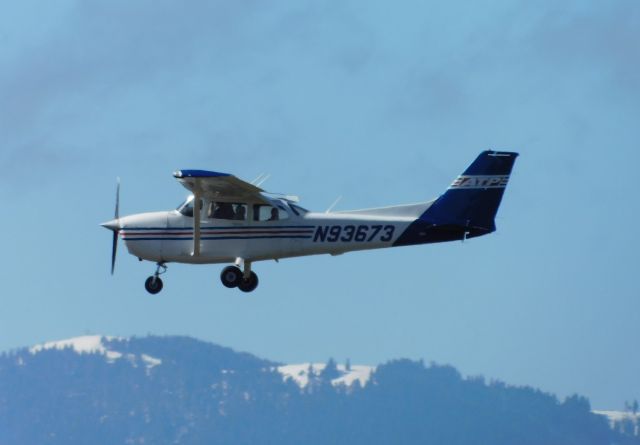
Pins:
<point x="162" y="390"/>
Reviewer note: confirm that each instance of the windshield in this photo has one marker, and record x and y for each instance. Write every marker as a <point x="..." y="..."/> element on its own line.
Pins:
<point x="298" y="210"/>
<point x="186" y="208"/>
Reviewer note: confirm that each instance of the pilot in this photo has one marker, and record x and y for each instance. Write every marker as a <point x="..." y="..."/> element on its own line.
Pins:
<point x="274" y="214"/>
<point x="223" y="211"/>
<point x="240" y="212"/>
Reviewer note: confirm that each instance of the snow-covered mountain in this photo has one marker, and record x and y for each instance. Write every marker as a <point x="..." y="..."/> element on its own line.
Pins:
<point x="105" y="345"/>
<point x="101" y="389"/>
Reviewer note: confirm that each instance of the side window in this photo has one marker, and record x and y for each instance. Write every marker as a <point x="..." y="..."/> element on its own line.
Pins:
<point x="240" y="212"/>
<point x="269" y="213"/>
<point x="227" y="210"/>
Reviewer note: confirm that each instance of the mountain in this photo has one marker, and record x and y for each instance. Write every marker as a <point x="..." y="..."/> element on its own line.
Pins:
<point x="166" y="390"/>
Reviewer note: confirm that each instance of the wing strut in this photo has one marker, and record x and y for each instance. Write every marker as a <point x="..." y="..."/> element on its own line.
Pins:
<point x="196" y="219"/>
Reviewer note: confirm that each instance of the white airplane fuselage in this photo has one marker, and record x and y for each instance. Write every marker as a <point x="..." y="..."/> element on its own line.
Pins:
<point x="167" y="236"/>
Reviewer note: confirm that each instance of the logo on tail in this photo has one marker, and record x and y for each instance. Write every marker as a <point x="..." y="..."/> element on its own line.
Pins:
<point x="480" y="182"/>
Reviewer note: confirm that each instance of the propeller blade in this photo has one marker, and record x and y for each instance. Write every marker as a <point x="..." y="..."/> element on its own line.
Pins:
<point x="114" y="249"/>
<point x="114" y="246"/>
<point x="117" y="213"/>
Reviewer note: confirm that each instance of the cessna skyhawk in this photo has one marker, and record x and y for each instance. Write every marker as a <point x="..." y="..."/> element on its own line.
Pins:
<point x="228" y="220"/>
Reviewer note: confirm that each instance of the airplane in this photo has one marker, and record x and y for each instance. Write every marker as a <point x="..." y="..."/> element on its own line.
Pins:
<point x="228" y="220"/>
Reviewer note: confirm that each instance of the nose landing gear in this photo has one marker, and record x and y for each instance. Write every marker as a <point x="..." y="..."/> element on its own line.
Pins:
<point x="153" y="284"/>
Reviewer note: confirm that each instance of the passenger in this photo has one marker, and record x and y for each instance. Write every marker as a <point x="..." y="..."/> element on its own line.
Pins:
<point x="241" y="213"/>
<point x="274" y="214"/>
<point x="223" y="211"/>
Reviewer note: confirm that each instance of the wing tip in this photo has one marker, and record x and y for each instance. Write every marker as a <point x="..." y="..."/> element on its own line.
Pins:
<point x="198" y="174"/>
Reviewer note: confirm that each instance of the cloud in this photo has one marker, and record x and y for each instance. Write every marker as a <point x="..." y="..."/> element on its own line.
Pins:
<point x="217" y="67"/>
<point x="520" y="54"/>
<point x="261" y="79"/>
<point x="102" y="47"/>
<point x="602" y="38"/>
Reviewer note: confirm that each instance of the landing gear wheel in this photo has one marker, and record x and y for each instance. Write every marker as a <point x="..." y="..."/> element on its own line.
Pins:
<point x="249" y="284"/>
<point x="231" y="276"/>
<point x="153" y="285"/>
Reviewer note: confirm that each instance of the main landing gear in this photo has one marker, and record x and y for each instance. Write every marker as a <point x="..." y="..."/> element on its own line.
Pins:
<point x="153" y="285"/>
<point x="232" y="276"/>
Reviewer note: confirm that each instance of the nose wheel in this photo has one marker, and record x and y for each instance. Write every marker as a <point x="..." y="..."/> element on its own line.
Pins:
<point x="233" y="276"/>
<point x="153" y="284"/>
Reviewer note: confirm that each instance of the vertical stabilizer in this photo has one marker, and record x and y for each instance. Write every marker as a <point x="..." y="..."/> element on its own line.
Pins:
<point x="472" y="200"/>
<point x="468" y="208"/>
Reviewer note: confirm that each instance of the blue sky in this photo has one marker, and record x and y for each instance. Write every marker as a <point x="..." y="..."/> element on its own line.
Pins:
<point x="376" y="102"/>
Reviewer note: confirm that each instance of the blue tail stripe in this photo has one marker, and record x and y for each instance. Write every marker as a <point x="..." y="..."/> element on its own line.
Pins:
<point x="474" y="206"/>
<point x="468" y="208"/>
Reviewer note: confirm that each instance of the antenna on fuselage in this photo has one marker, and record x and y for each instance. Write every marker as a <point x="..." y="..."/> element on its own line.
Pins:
<point x="334" y="204"/>
<point x="263" y="180"/>
<point x="257" y="179"/>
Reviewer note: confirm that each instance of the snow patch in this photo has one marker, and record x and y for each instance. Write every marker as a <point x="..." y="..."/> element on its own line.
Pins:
<point x="299" y="373"/>
<point x="93" y="344"/>
<point x="617" y="416"/>
<point x="113" y="355"/>
<point x="150" y="361"/>
<point x="87" y="344"/>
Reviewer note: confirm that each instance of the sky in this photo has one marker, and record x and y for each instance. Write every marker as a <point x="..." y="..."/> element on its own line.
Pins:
<point x="380" y="103"/>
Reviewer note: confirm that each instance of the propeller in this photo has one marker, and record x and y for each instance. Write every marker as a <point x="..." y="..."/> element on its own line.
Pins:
<point x="114" y="226"/>
<point x="114" y="245"/>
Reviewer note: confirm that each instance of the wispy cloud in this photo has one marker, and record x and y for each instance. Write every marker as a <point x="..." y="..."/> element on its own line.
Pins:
<point x="101" y="48"/>
<point x="251" y="76"/>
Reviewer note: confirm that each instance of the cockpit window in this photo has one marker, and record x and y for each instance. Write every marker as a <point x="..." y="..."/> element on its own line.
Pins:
<point x="298" y="210"/>
<point x="227" y="210"/>
<point x="269" y="213"/>
<point x="186" y="208"/>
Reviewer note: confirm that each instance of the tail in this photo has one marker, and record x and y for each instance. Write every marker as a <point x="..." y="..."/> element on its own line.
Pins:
<point x="468" y="208"/>
<point x="472" y="200"/>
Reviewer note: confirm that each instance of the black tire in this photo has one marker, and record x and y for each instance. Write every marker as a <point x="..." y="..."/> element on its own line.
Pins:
<point x="231" y="276"/>
<point x="153" y="286"/>
<point x="249" y="284"/>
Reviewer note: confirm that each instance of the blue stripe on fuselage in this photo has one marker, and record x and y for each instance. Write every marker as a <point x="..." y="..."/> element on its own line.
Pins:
<point x="222" y="228"/>
<point x="206" y="238"/>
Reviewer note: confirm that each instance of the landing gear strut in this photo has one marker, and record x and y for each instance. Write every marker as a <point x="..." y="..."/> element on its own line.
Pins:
<point x="153" y="285"/>
<point x="233" y="276"/>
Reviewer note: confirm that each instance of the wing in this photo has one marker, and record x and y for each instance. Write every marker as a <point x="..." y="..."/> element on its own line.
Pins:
<point x="219" y="186"/>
